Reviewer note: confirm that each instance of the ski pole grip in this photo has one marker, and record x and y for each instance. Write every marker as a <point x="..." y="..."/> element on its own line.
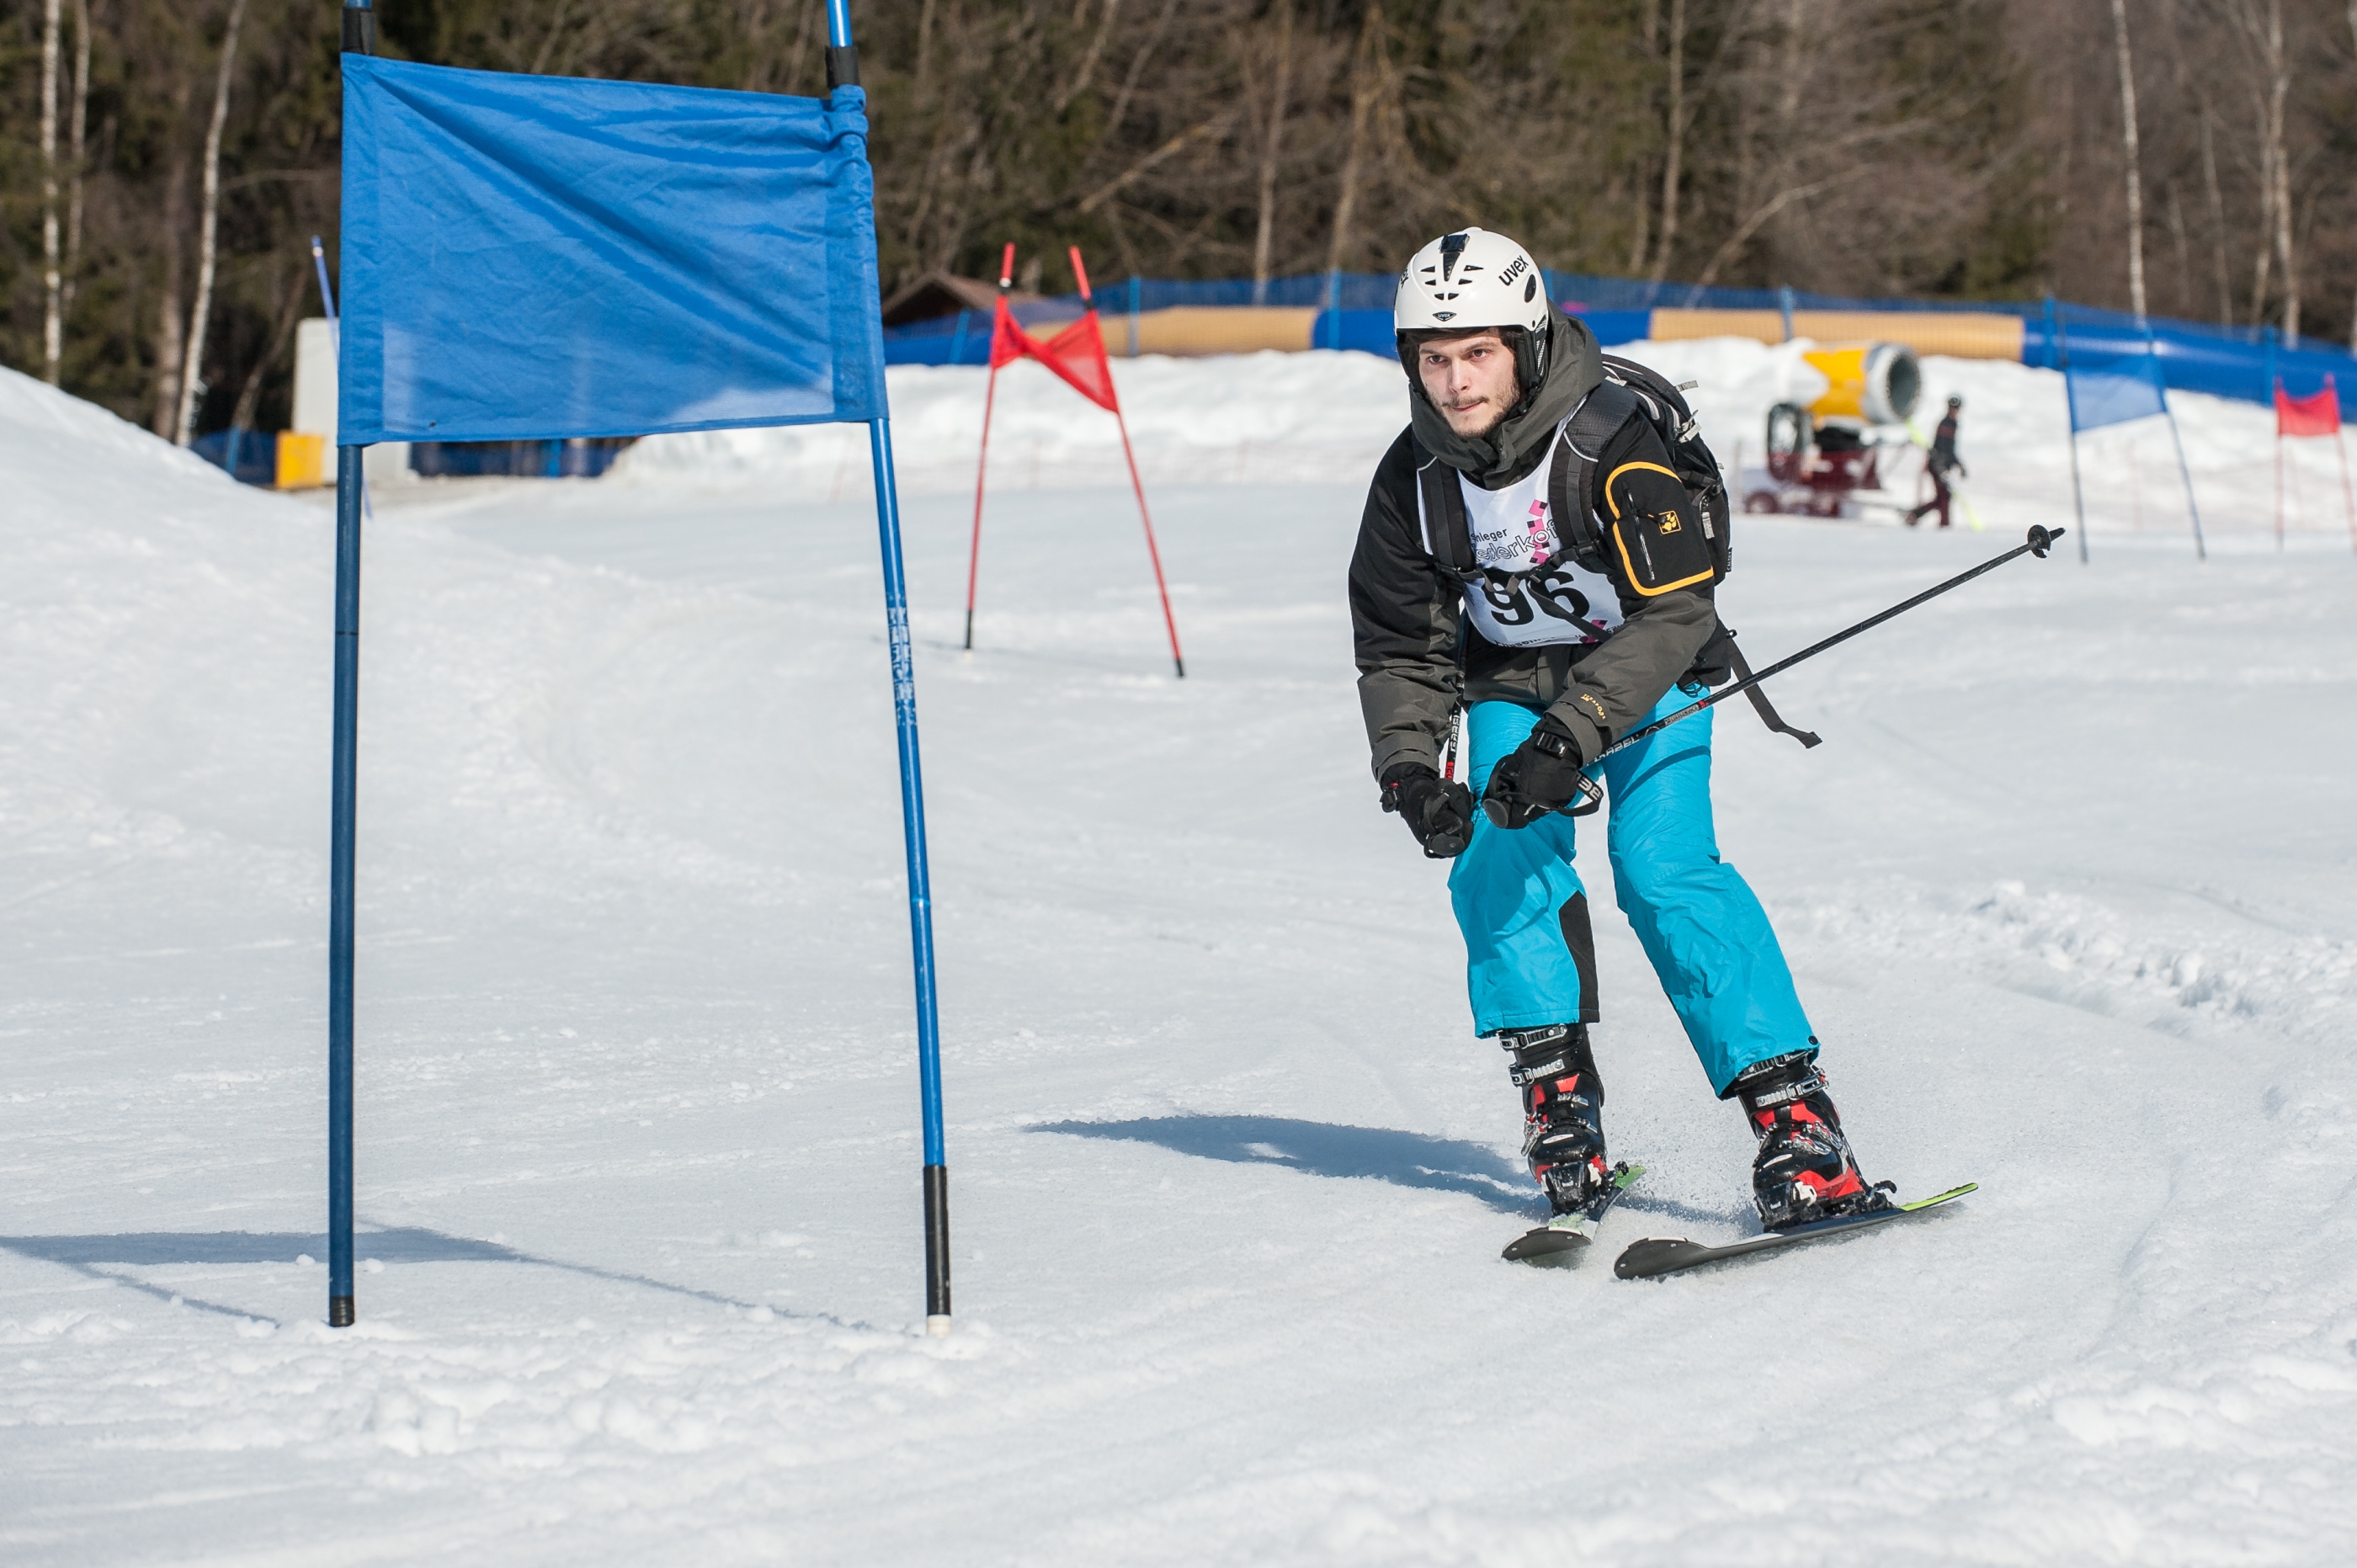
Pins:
<point x="2041" y="539"/>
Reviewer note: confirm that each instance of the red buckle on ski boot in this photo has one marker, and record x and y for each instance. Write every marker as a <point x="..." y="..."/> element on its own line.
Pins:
<point x="1804" y="1170"/>
<point x="1563" y="1112"/>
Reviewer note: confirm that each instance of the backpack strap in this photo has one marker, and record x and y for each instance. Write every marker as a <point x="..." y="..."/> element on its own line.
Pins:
<point x="1760" y="702"/>
<point x="1441" y="510"/>
<point x="1571" y="481"/>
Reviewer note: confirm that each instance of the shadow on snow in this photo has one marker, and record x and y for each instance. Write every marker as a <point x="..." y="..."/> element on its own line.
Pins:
<point x="1381" y="1154"/>
<point x="404" y="1245"/>
<point x="1322" y="1148"/>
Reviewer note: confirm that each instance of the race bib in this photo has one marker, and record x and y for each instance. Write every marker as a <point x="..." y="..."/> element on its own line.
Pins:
<point x="1531" y="594"/>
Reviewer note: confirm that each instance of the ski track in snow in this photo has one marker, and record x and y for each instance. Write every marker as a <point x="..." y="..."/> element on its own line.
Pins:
<point x="2067" y="890"/>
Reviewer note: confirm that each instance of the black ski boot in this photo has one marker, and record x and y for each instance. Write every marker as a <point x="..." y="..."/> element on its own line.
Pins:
<point x="1804" y="1170"/>
<point x="1563" y="1112"/>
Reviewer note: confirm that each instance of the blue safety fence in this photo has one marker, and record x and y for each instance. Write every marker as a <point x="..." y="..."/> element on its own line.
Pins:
<point x="254" y="453"/>
<point x="2236" y="363"/>
<point x="1355" y="313"/>
<point x="579" y="457"/>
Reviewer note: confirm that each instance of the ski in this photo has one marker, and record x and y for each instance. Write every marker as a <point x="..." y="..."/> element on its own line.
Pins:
<point x="1649" y="1259"/>
<point x="1562" y="1239"/>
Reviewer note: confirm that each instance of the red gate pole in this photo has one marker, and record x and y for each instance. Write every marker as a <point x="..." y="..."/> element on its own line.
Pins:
<point x="981" y="466"/>
<point x="2279" y="455"/>
<point x="1137" y="486"/>
<point x="2348" y="497"/>
<point x="2340" y="444"/>
<point x="1177" y="659"/>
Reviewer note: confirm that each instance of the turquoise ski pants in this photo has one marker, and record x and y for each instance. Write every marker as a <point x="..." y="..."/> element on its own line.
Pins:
<point x="1528" y="957"/>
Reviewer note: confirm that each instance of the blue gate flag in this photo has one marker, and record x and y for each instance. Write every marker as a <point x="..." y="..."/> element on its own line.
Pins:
<point x="2112" y="389"/>
<point x="533" y="257"/>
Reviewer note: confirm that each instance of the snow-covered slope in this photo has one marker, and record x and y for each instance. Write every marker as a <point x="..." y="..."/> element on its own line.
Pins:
<point x="2069" y="890"/>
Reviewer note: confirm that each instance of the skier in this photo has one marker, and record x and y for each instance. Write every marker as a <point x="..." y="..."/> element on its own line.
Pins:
<point x="1940" y="463"/>
<point x="1473" y="581"/>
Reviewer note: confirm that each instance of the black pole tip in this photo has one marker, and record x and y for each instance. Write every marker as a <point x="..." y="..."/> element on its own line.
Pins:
<point x="937" y="1249"/>
<point x="340" y="1314"/>
<point x="1182" y="665"/>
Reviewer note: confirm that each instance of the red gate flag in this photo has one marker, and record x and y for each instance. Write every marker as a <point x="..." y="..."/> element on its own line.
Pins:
<point x="1077" y="354"/>
<point x="2319" y="415"/>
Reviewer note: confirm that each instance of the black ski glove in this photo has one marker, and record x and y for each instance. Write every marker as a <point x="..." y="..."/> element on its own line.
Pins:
<point x="1539" y="775"/>
<point x="1438" y="812"/>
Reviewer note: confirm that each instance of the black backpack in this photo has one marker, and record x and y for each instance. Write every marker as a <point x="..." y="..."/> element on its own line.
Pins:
<point x="1628" y="389"/>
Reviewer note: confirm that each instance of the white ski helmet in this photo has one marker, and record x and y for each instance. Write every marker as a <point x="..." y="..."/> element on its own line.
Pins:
<point x="1473" y="279"/>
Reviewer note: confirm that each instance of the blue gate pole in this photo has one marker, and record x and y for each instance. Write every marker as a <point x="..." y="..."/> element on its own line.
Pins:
<point x="843" y="71"/>
<point x="921" y="895"/>
<point x="344" y="799"/>
<point x="351" y="497"/>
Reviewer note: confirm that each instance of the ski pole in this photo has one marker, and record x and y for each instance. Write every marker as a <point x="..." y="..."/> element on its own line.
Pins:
<point x="1592" y="793"/>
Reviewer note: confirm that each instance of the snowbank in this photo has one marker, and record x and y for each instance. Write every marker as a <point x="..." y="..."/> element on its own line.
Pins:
<point x="1232" y="418"/>
<point x="1325" y="417"/>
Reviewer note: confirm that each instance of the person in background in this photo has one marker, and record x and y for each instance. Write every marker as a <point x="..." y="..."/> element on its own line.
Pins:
<point x="1942" y="462"/>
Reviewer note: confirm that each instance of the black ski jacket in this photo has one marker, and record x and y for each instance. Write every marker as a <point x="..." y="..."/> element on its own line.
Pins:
<point x="1406" y="614"/>
<point x="1943" y="447"/>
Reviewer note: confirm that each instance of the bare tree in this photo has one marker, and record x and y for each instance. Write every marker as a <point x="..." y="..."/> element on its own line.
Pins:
<point x="2279" y="88"/>
<point x="1272" y="133"/>
<point x="1640" y="243"/>
<point x="1095" y="52"/>
<point x="171" y="326"/>
<point x="2195" y="85"/>
<point x="1677" y="122"/>
<point x="52" y="295"/>
<point x="77" y="164"/>
<point x="1369" y="80"/>
<point x="2128" y="153"/>
<point x="2258" y="27"/>
<point x="207" y="241"/>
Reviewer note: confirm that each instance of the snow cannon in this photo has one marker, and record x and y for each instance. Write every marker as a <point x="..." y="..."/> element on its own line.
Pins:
<point x="1831" y="398"/>
<point x="1873" y="383"/>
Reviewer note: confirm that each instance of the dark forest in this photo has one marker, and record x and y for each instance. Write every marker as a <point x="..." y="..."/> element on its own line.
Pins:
<point x="163" y="168"/>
